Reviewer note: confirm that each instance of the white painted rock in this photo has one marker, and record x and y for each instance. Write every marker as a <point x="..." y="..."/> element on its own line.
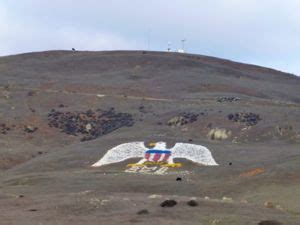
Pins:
<point x="158" y="154"/>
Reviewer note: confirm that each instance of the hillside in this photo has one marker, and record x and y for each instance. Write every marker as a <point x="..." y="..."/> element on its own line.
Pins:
<point x="60" y="111"/>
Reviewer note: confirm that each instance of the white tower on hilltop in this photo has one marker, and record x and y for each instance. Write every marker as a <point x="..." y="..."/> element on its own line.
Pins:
<point x="182" y="50"/>
<point x="169" y="47"/>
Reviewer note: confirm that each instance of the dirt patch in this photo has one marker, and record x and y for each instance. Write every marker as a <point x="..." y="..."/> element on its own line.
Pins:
<point x="9" y="161"/>
<point x="253" y="172"/>
<point x="227" y="89"/>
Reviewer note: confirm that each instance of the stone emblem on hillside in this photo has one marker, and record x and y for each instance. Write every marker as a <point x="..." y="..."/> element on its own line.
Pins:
<point x="157" y="159"/>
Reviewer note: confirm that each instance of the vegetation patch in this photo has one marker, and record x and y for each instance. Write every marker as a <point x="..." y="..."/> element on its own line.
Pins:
<point x="250" y="119"/>
<point x="90" y="124"/>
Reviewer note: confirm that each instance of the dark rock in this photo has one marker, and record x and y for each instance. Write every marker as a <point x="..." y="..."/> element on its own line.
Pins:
<point x="228" y="99"/>
<point x="168" y="203"/>
<point x="143" y="212"/>
<point x="209" y="125"/>
<point x="142" y="109"/>
<point x="61" y="105"/>
<point x="90" y="124"/>
<point x="192" y="203"/>
<point x="31" y="93"/>
<point x="250" y="119"/>
<point x="4" y="128"/>
<point x="178" y="179"/>
<point x="33" y="210"/>
<point x="30" y="129"/>
<point x="269" y="222"/>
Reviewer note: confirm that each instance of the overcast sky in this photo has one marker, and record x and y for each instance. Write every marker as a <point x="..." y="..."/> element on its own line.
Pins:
<point x="263" y="32"/>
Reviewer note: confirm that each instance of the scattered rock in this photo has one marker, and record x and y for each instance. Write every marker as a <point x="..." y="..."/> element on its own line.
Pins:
<point x="215" y="222"/>
<point x="7" y="86"/>
<point x="95" y="202"/>
<point x="183" y="119"/>
<point x="154" y="196"/>
<point x="32" y="110"/>
<point x="168" y="203"/>
<point x="228" y="99"/>
<point x="61" y="105"/>
<point x="219" y="134"/>
<point x="30" y="129"/>
<point x="178" y="179"/>
<point x="21" y="196"/>
<point x="250" y="119"/>
<point x="104" y="202"/>
<point x="88" y="127"/>
<point x="226" y="199"/>
<point x="4" y="128"/>
<point x="6" y="94"/>
<point x="32" y="93"/>
<point x="184" y="129"/>
<point x="296" y="138"/>
<point x="142" y="109"/>
<point x="209" y="125"/>
<point x="33" y="210"/>
<point x="91" y="124"/>
<point x="143" y="212"/>
<point x="269" y="222"/>
<point x="269" y="205"/>
<point x="192" y="203"/>
<point x="284" y="131"/>
<point x="279" y="207"/>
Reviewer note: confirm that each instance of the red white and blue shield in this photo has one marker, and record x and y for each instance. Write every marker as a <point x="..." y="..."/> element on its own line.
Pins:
<point x="154" y="155"/>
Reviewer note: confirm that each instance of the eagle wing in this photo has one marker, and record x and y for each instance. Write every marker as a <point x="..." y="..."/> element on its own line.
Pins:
<point x="122" y="152"/>
<point x="196" y="153"/>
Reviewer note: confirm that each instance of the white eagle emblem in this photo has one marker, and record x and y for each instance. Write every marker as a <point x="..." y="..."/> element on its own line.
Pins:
<point x="158" y="154"/>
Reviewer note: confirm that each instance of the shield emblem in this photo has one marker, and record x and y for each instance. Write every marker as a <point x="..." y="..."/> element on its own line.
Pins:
<point x="154" y="155"/>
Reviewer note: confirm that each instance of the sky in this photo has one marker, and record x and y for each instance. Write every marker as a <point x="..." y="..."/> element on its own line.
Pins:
<point x="261" y="32"/>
